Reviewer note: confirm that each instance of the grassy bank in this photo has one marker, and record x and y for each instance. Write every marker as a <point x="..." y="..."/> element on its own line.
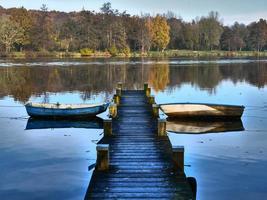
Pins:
<point x="154" y="54"/>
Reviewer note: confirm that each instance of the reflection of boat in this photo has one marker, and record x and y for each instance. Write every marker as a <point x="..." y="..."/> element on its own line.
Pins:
<point x="193" y="110"/>
<point x="36" y="123"/>
<point x="64" y="110"/>
<point x="195" y="127"/>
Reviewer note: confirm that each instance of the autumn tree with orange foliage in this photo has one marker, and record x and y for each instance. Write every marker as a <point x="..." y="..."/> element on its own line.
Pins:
<point x="160" y="33"/>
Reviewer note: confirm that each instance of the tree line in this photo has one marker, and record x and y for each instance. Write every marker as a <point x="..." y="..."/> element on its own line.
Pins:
<point x="118" y="32"/>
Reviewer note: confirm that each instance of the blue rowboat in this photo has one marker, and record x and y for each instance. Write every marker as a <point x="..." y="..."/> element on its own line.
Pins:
<point x="39" y="123"/>
<point x="47" y="110"/>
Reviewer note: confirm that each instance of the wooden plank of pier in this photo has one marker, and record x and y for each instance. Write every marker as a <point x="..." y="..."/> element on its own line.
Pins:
<point x="139" y="161"/>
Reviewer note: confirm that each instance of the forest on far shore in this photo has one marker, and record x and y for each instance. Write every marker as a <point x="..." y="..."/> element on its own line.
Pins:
<point x="115" y="32"/>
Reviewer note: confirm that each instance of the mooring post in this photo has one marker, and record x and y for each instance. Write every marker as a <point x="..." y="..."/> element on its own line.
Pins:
<point x="193" y="184"/>
<point x="151" y="99"/>
<point x="145" y="87"/>
<point x="107" y="127"/>
<point x="116" y="99"/>
<point x="178" y="158"/>
<point x="102" y="161"/>
<point x="118" y="92"/>
<point x="162" y="127"/>
<point x="155" y="109"/>
<point x="148" y="92"/>
<point x="119" y="85"/>
<point x="113" y="110"/>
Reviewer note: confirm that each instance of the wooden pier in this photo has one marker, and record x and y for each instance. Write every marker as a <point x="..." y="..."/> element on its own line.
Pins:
<point x="135" y="159"/>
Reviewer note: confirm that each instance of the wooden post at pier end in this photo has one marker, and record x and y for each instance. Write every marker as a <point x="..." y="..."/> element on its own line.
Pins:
<point x="155" y="109"/>
<point x="119" y="85"/>
<point x="162" y="127"/>
<point x="118" y="92"/>
<point x="116" y="99"/>
<point x="178" y="158"/>
<point x="151" y="99"/>
<point x="113" y="110"/>
<point x="148" y="92"/>
<point x="107" y="127"/>
<point x="145" y="86"/>
<point x="102" y="161"/>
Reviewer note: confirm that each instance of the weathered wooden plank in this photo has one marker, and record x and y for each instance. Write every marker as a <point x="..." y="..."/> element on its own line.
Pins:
<point x="141" y="177"/>
<point x="142" y="195"/>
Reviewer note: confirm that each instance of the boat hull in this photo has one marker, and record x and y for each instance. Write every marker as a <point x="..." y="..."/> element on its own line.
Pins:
<point x="43" y="112"/>
<point x="202" y="111"/>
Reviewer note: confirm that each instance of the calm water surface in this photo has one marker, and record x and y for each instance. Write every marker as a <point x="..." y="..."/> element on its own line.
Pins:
<point x="53" y="163"/>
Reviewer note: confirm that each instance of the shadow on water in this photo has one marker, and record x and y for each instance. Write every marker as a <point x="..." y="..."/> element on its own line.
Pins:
<point x="200" y="127"/>
<point x="35" y="123"/>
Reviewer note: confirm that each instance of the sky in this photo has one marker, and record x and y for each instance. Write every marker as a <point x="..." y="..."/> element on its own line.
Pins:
<point x="244" y="11"/>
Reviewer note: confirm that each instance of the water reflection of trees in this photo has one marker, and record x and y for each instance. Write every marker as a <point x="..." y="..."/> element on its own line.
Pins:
<point x="254" y="74"/>
<point x="159" y="77"/>
<point x="23" y="82"/>
<point x="205" y="77"/>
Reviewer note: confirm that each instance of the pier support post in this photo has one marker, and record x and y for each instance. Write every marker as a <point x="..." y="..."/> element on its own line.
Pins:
<point x="145" y="86"/>
<point x="119" y="85"/>
<point x="155" y="109"/>
<point x="193" y="184"/>
<point x="148" y="92"/>
<point x="116" y="99"/>
<point x="162" y="127"/>
<point x="151" y="99"/>
<point x="118" y="92"/>
<point x="178" y="158"/>
<point x="107" y="127"/>
<point x="102" y="161"/>
<point x="113" y="110"/>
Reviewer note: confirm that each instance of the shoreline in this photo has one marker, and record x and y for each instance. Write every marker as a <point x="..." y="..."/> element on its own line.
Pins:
<point x="150" y="54"/>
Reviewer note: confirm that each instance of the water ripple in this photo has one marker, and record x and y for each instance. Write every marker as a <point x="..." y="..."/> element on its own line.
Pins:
<point x="148" y="62"/>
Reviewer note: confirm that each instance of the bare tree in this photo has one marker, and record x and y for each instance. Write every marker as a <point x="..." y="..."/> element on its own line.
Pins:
<point x="10" y="32"/>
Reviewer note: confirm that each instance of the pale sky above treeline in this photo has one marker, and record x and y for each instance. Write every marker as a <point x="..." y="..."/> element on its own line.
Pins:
<point x="243" y="11"/>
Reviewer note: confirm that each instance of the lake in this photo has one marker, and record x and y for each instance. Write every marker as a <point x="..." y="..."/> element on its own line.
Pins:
<point x="54" y="162"/>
